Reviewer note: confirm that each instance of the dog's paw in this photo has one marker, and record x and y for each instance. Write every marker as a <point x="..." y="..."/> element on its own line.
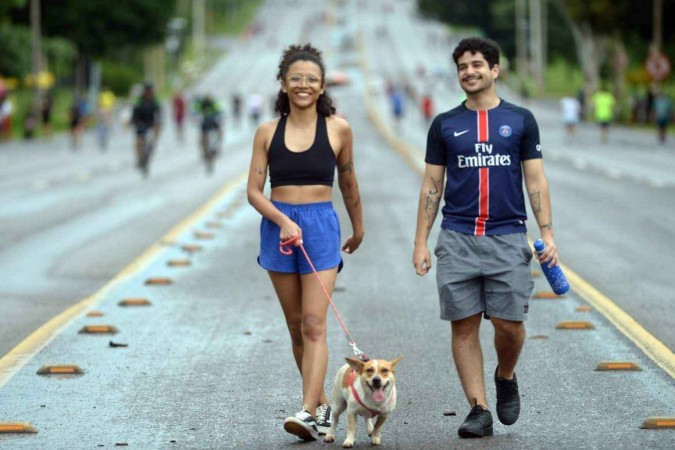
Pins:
<point x="375" y="441"/>
<point x="369" y="426"/>
<point x="329" y="438"/>
<point x="348" y="444"/>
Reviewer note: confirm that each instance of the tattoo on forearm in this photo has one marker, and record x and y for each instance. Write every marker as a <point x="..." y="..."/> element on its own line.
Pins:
<point x="259" y="170"/>
<point x="535" y="201"/>
<point x="347" y="167"/>
<point x="432" y="202"/>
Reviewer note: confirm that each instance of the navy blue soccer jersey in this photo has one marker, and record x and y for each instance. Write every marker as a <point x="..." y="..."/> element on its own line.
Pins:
<point x="482" y="152"/>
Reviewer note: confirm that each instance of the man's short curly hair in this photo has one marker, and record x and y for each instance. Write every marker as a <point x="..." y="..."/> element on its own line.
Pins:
<point x="487" y="47"/>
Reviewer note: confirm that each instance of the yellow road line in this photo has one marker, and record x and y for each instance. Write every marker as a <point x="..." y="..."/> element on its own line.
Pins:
<point x="630" y="328"/>
<point x="13" y="361"/>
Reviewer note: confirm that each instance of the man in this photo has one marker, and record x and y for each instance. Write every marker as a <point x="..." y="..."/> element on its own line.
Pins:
<point x="603" y="109"/>
<point x="146" y="116"/>
<point x="485" y="146"/>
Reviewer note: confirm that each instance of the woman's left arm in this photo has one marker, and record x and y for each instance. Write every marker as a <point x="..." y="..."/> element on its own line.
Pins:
<point x="349" y="185"/>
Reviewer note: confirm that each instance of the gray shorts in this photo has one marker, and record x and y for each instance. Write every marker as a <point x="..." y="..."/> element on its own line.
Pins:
<point x="488" y="274"/>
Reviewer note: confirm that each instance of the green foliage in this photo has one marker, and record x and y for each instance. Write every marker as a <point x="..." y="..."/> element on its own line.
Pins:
<point x="14" y="51"/>
<point x="230" y="16"/>
<point x="119" y="77"/>
<point x="97" y="27"/>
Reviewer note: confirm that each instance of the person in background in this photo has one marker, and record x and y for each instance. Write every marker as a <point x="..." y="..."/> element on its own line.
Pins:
<point x="662" y="108"/>
<point x="46" y="104"/>
<point x="6" y="111"/>
<point x="106" y="112"/>
<point x="178" y="108"/>
<point x="571" y="111"/>
<point x="603" y="111"/>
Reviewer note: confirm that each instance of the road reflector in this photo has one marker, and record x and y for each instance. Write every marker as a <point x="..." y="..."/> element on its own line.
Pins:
<point x="214" y="225"/>
<point x="63" y="369"/>
<point x="135" y="302"/>
<point x="547" y="295"/>
<point x="536" y="273"/>
<point x="159" y="281"/>
<point x="224" y="214"/>
<point x="99" y="329"/>
<point x="17" y="427"/>
<point x="191" y="248"/>
<point x="539" y="336"/>
<point x="575" y="325"/>
<point x="203" y="235"/>
<point x="617" y="365"/>
<point x="178" y="263"/>
<point x="583" y="308"/>
<point x="658" y="422"/>
<point x="94" y="314"/>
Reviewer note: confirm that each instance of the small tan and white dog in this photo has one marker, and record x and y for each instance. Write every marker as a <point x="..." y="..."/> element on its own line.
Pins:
<point x="365" y="389"/>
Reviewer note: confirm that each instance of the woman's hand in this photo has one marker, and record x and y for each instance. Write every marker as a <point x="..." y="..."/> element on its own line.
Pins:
<point x="290" y="230"/>
<point x="352" y="243"/>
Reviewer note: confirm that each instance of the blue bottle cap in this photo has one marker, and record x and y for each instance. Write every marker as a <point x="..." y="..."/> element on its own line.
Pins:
<point x="539" y="245"/>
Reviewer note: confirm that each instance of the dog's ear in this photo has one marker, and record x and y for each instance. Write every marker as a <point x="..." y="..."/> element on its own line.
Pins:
<point x="355" y="364"/>
<point x="395" y="361"/>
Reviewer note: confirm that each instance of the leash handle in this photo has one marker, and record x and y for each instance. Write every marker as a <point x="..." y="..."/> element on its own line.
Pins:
<point x="284" y="248"/>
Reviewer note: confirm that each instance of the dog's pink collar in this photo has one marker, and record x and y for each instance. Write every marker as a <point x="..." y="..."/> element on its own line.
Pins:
<point x="373" y="412"/>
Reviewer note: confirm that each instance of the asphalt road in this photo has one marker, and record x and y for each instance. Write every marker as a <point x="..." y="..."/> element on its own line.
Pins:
<point x="208" y="364"/>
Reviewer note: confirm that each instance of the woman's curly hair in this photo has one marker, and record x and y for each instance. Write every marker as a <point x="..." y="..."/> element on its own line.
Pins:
<point x="294" y="53"/>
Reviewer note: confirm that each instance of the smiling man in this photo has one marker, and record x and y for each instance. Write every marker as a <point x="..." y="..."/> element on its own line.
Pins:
<point x="485" y="146"/>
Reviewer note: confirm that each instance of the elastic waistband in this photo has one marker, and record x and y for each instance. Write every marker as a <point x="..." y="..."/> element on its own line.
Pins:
<point x="298" y="206"/>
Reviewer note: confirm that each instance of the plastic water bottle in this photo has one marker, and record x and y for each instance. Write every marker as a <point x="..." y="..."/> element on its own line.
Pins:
<point x="554" y="275"/>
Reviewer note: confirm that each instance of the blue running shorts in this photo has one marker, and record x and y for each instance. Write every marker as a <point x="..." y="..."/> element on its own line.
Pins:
<point x="320" y="235"/>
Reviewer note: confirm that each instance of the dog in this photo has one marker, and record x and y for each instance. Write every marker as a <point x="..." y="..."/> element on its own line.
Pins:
<point x="365" y="389"/>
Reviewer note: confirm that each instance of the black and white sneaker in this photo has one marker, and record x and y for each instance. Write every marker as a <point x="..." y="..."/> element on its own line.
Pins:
<point x="324" y="418"/>
<point x="302" y="425"/>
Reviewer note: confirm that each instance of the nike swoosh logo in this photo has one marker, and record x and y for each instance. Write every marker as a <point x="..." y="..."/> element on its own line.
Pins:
<point x="460" y="133"/>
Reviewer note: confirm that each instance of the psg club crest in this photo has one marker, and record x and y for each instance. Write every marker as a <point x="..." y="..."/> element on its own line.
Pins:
<point x="505" y="130"/>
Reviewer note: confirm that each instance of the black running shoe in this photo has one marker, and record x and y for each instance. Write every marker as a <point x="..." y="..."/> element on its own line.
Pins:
<point x="477" y="424"/>
<point x="324" y="418"/>
<point x="302" y="425"/>
<point x="508" y="399"/>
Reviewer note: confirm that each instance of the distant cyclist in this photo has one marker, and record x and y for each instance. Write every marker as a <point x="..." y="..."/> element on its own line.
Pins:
<point x="211" y="115"/>
<point x="146" y="116"/>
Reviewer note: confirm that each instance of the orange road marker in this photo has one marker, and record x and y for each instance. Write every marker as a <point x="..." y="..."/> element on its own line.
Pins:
<point x="94" y="314"/>
<point x="548" y="295"/>
<point x="191" y="248"/>
<point x="98" y="329"/>
<point x="575" y="325"/>
<point x="203" y="235"/>
<point x="17" y="427"/>
<point x="135" y="302"/>
<point x="178" y="263"/>
<point x="617" y="365"/>
<point x="159" y="281"/>
<point x="658" y="422"/>
<point x="583" y="308"/>
<point x="63" y="369"/>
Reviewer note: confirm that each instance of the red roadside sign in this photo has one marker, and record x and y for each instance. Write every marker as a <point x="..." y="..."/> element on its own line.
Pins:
<point x="658" y="66"/>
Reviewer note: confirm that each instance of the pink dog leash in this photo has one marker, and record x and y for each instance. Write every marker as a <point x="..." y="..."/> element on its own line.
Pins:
<point x="284" y="249"/>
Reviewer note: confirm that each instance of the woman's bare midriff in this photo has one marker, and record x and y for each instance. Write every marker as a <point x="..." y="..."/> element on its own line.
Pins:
<point x="302" y="194"/>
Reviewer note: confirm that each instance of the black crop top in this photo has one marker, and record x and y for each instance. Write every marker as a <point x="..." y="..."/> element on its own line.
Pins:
<point x="315" y="165"/>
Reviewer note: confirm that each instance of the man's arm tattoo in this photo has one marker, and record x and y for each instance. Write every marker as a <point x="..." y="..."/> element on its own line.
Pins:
<point x="535" y="201"/>
<point x="432" y="201"/>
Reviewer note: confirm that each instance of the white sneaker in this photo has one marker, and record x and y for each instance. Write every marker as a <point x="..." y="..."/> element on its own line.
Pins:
<point x="302" y="425"/>
<point x="324" y="418"/>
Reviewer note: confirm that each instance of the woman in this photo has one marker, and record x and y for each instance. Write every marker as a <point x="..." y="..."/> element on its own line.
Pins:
<point x="302" y="149"/>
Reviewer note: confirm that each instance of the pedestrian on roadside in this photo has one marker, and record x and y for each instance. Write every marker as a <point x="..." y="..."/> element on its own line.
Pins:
<point x="6" y="111"/>
<point x="662" y="108"/>
<point x="255" y="102"/>
<point x="302" y="149"/>
<point x="427" y="109"/>
<point x="179" y="106"/>
<point x="603" y="111"/>
<point x="78" y="114"/>
<point x="571" y="111"/>
<point x="483" y="148"/>
<point x="236" y="108"/>
<point x="46" y="104"/>
<point x="106" y="112"/>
